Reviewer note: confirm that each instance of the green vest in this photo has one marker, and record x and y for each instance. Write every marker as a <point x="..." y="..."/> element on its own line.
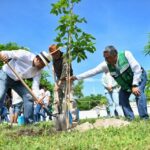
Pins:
<point x="122" y="72"/>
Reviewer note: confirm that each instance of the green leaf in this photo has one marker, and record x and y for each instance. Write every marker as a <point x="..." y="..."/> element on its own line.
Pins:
<point x="80" y="41"/>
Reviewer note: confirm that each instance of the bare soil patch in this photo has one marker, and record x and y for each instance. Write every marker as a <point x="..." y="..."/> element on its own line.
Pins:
<point x="101" y="123"/>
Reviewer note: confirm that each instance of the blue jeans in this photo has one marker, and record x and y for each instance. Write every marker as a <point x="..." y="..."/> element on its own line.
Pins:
<point x="44" y="112"/>
<point x="5" y="83"/>
<point x="4" y="114"/>
<point x="140" y="100"/>
<point x="113" y="103"/>
<point x="37" y="113"/>
<point x="17" y="108"/>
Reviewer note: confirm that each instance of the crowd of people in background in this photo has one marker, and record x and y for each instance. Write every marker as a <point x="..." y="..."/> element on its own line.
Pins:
<point x="14" y="108"/>
<point x="39" y="112"/>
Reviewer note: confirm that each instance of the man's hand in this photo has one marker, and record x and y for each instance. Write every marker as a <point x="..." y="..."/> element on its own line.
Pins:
<point x="3" y="58"/>
<point x="136" y="91"/>
<point x="109" y="88"/>
<point x="56" y="88"/>
<point x="40" y="101"/>
<point x="73" y="78"/>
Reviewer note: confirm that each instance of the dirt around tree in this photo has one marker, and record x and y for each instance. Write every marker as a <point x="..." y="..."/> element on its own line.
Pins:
<point x="101" y="123"/>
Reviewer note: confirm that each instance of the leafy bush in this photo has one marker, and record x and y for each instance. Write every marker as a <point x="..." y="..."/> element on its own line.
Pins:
<point x="88" y="102"/>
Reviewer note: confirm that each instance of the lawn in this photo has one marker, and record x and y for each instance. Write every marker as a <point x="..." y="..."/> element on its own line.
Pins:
<point x="43" y="136"/>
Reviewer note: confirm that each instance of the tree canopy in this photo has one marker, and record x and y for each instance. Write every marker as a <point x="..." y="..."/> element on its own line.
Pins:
<point x="147" y="47"/>
<point x="147" y="88"/>
<point x="69" y="34"/>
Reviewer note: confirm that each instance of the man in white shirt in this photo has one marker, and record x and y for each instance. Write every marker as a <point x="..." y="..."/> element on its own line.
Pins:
<point x="27" y="65"/>
<point x="39" y="111"/>
<point x="46" y="101"/>
<point x="128" y="73"/>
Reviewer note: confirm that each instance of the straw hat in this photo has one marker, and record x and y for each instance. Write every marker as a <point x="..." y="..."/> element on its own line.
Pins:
<point x="45" y="57"/>
<point x="53" y="49"/>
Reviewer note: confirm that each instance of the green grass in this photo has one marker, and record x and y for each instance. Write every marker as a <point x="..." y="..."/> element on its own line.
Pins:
<point x="135" y="136"/>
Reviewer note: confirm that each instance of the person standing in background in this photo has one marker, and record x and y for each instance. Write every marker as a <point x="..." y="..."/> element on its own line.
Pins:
<point x="17" y="104"/>
<point x="112" y="94"/>
<point x="46" y="101"/>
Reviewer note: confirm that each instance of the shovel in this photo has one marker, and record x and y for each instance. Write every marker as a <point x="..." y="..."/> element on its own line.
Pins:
<point x="63" y="121"/>
<point x="30" y="91"/>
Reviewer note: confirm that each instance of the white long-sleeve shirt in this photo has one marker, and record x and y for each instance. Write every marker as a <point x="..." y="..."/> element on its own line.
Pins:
<point x="22" y="62"/>
<point x="46" y="93"/>
<point x="108" y="81"/>
<point x="102" y="67"/>
<point x="15" y="98"/>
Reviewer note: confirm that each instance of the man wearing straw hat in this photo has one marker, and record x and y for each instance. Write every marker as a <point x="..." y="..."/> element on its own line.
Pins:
<point x="60" y="68"/>
<point x="28" y="66"/>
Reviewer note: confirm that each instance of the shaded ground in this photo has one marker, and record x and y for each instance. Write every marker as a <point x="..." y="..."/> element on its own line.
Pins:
<point x="42" y="128"/>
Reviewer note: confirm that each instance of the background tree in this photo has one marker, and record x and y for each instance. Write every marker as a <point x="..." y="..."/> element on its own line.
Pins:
<point x="147" y="88"/>
<point x="88" y="102"/>
<point x="45" y="82"/>
<point x="77" y="88"/>
<point x="147" y="47"/>
<point x="147" y="52"/>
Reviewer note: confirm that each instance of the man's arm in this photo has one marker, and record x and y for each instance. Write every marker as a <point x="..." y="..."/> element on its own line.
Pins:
<point x="3" y="57"/>
<point x="16" y="54"/>
<point x="137" y="71"/>
<point x="106" y="81"/>
<point x="103" y="81"/>
<point x="102" y="67"/>
<point x="36" y="82"/>
<point x="135" y="66"/>
<point x="48" y="98"/>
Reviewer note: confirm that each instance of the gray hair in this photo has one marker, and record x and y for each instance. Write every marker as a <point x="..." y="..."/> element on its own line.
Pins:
<point x="111" y="50"/>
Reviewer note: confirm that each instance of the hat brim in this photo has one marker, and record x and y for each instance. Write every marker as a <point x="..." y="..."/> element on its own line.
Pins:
<point x="58" y="49"/>
<point x="44" y="61"/>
